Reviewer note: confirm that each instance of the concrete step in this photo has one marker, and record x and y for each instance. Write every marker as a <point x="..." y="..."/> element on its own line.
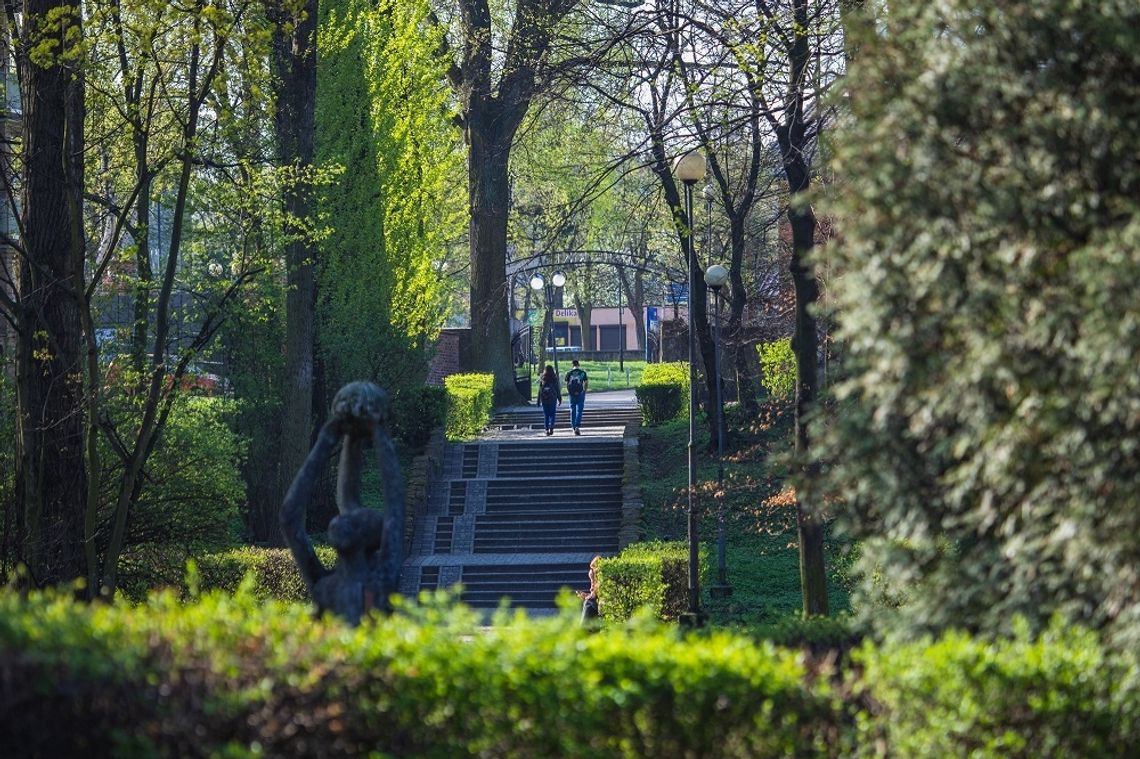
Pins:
<point x="594" y="545"/>
<point x="524" y="531"/>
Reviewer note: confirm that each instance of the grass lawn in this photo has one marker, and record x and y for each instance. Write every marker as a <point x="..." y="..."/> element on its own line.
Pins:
<point x="762" y="555"/>
<point x="604" y="375"/>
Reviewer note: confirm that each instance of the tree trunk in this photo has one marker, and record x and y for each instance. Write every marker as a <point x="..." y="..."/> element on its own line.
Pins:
<point x="489" y="193"/>
<point x="295" y="66"/>
<point x="794" y="143"/>
<point x="586" y="318"/>
<point x="144" y="281"/>
<point x="51" y="479"/>
<point x="635" y="298"/>
<point x="743" y="354"/>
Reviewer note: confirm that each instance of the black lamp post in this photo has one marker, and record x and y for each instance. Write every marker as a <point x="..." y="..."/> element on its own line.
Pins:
<point x="715" y="277"/>
<point x="690" y="169"/>
<point x="537" y="282"/>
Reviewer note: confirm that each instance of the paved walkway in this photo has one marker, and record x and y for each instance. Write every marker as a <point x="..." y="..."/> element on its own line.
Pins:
<point x="520" y="514"/>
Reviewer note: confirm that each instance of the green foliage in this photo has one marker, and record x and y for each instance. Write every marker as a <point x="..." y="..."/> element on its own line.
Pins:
<point x="470" y="400"/>
<point x="1059" y="694"/>
<point x="272" y="572"/>
<point x="778" y="367"/>
<point x="416" y="411"/>
<point x="987" y="442"/>
<point x="191" y="498"/>
<point x="229" y="675"/>
<point x="664" y="391"/>
<point x="823" y="634"/>
<point x="653" y="575"/>
<point x="382" y="116"/>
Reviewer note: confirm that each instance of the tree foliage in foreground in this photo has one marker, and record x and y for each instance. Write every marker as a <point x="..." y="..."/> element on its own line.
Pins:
<point x="233" y="676"/>
<point x="989" y="441"/>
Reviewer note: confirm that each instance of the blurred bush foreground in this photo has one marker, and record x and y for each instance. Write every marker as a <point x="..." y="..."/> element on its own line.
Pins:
<point x="229" y="675"/>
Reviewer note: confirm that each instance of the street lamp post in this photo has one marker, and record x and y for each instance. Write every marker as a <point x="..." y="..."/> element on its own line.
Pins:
<point x="690" y="169"/>
<point x="537" y="283"/>
<point x="715" y="277"/>
<point x="621" y="321"/>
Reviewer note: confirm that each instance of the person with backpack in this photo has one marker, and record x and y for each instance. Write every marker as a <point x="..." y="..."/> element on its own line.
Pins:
<point x="577" y="383"/>
<point x="549" y="396"/>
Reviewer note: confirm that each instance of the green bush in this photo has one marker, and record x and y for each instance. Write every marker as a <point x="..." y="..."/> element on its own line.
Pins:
<point x="470" y="400"/>
<point x="191" y="496"/>
<point x="778" y="368"/>
<point x="272" y="570"/>
<point x="1059" y="694"/>
<point x="990" y="244"/>
<point x="664" y="391"/>
<point x="416" y="411"/>
<point x="225" y="675"/>
<point x="653" y="575"/>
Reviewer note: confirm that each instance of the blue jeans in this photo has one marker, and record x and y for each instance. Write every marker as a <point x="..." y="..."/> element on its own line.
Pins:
<point x="549" y="410"/>
<point x="576" y="404"/>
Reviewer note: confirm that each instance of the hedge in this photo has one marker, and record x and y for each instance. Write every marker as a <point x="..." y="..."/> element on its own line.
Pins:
<point x="663" y="393"/>
<point x="653" y="575"/>
<point x="228" y="676"/>
<point x="470" y="401"/>
<point x="272" y="572"/>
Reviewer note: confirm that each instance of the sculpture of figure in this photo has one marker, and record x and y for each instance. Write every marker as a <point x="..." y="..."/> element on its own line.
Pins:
<point x="369" y="544"/>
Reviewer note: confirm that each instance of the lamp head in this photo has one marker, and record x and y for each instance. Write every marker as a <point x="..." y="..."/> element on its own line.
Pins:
<point x="559" y="279"/>
<point x="536" y="281"/>
<point x="715" y="276"/>
<point x="690" y="167"/>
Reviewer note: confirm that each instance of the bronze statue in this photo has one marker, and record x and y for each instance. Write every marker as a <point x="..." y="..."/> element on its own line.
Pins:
<point x="369" y="544"/>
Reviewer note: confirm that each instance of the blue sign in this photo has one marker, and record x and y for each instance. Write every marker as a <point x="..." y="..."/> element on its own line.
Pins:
<point x="651" y="315"/>
<point x="678" y="293"/>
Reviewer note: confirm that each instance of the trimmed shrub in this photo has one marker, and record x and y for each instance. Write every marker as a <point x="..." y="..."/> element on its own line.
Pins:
<point x="778" y="368"/>
<point x="227" y="676"/>
<point x="416" y="411"/>
<point x="273" y="572"/>
<point x="230" y="676"/>
<point x="470" y="399"/>
<point x="664" y="391"/>
<point x="653" y="575"/>
<point x="1060" y="694"/>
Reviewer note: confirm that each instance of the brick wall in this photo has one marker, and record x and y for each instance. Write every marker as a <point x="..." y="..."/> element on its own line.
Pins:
<point x="448" y="358"/>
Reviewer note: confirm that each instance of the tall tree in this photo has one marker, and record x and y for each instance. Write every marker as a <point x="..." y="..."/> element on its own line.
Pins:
<point x="295" y="91"/>
<point x="51" y="477"/>
<point x="796" y="134"/>
<point x="496" y="86"/>
<point x="174" y="105"/>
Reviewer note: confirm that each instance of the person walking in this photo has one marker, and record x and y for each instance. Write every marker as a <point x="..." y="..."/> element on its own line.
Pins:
<point x="577" y="383"/>
<point x="549" y="396"/>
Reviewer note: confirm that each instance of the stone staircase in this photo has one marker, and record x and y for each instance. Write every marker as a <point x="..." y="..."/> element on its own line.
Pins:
<point x="518" y="514"/>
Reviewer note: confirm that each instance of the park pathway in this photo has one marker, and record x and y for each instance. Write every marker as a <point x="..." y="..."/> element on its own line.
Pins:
<point x="517" y="514"/>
